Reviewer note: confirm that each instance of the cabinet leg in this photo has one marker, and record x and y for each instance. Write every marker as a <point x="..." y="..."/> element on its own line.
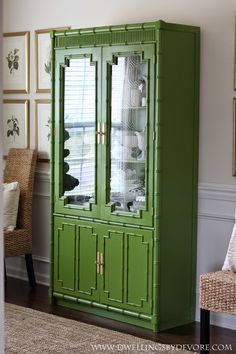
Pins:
<point x="204" y="331"/>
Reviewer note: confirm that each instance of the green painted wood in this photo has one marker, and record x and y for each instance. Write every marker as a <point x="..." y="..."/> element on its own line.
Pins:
<point x="149" y="277"/>
<point x="178" y="140"/>
<point x="87" y="284"/>
<point x="139" y="270"/>
<point x="113" y="279"/>
<point x="75" y="250"/>
<point x="106" y="38"/>
<point x="127" y="280"/>
<point x="107" y="312"/>
<point x="137" y="33"/>
<point x="64" y="256"/>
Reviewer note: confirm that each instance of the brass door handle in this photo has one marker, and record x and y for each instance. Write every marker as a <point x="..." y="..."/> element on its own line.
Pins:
<point x="101" y="133"/>
<point x="98" y="133"/>
<point x="101" y="263"/>
<point x="97" y="262"/>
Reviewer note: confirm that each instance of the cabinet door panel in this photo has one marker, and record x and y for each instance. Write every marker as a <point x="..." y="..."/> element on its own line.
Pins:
<point x="127" y="278"/>
<point x="75" y="252"/>
<point x="64" y="256"/>
<point x="138" y="270"/>
<point x="113" y="256"/>
<point x="87" y="253"/>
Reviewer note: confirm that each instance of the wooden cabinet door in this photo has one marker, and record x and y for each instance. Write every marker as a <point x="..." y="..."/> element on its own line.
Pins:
<point x="128" y="98"/>
<point x="77" y="113"/>
<point x="127" y="269"/>
<point x="123" y="277"/>
<point x="64" y="256"/>
<point x="75" y="254"/>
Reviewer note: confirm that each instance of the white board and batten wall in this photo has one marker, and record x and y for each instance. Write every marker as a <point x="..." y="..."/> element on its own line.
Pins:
<point x="217" y="186"/>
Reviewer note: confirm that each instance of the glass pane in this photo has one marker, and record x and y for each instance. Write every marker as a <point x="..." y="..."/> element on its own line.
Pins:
<point x="79" y="131"/>
<point x="128" y="134"/>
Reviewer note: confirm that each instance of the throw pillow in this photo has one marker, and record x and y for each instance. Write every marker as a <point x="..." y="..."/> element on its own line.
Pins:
<point x="230" y="259"/>
<point x="11" y="195"/>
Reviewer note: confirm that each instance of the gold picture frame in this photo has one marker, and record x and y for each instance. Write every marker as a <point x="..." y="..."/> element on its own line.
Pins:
<point x="16" y="62"/>
<point x="42" y="128"/>
<point x="43" y="59"/>
<point x="15" y="117"/>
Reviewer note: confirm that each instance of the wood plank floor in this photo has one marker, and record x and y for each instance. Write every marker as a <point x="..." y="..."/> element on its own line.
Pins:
<point x="19" y="292"/>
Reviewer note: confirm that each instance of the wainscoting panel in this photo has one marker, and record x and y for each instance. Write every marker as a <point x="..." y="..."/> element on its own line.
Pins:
<point x="216" y="208"/>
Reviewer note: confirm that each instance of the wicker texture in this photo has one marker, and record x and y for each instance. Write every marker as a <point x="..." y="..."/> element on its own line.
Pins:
<point x="218" y="292"/>
<point x="20" y="167"/>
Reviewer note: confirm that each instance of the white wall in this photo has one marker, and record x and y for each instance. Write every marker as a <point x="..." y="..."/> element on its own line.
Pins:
<point x="1" y="237"/>
<point x="217" y="187"/>
<point x="216" y="19"/>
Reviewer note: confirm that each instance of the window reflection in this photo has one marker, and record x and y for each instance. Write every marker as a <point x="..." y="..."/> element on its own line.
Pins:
<point x="128" y="134"/>
<point x="79" y="125"/>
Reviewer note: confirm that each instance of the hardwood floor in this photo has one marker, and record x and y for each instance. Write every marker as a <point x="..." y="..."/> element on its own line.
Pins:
<point x="19" y="292"/>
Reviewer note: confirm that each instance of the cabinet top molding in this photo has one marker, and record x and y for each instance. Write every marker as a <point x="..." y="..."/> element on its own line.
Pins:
<point x="125" y="27"/>
<point x="118" y="34"/>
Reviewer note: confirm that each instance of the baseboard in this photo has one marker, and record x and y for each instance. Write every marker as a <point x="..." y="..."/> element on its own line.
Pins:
<point x="223" y="320"/>
<point x="18" y="270"/>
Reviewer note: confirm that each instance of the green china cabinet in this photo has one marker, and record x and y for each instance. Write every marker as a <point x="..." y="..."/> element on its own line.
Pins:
<point x="124" y="163"/>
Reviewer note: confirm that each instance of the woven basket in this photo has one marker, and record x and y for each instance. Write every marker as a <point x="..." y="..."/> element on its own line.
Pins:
<point x="218" y="292"/>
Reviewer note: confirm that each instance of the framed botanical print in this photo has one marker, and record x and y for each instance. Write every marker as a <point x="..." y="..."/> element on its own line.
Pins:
<point x="15" y="124"/>
<point x="42" y="128"/>
<point x="16" y="62"/>
<point x="43" y="59"/>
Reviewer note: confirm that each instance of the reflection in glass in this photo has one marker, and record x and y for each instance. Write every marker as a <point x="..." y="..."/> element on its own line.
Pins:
<point x="79" y="131"/>
<point x="128" y="134"/>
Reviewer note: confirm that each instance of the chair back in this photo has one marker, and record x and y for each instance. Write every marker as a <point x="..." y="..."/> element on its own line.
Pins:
<point x="20" y="167"/>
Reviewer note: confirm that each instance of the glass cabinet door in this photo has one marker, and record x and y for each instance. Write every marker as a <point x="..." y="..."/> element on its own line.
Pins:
<point x="79" y="114"/>
<point x="79" y="131"/>
<point x="128" y="134"/>
<point x="130" y="119"/>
